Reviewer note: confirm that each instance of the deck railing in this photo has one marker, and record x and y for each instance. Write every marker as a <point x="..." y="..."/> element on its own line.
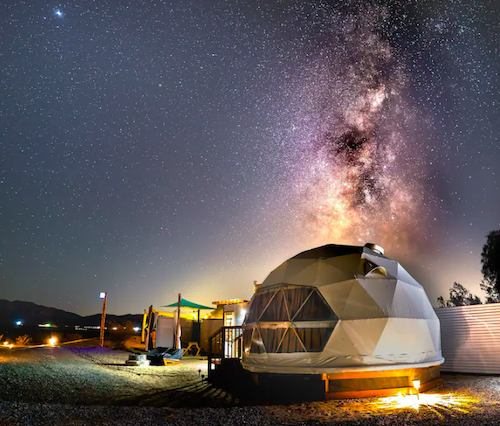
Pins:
<point x="225" y="343"/>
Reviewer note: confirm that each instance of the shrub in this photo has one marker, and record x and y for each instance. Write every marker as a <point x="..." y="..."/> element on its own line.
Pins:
<point x="23" y="340"/>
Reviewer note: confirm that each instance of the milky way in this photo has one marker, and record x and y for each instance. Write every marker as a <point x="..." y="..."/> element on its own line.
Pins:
<point x="359" y="178"/>
<point x="155" y="147"/>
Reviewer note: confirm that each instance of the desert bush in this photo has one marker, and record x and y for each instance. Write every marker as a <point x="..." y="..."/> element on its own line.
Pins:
<point x="23" y="340"/>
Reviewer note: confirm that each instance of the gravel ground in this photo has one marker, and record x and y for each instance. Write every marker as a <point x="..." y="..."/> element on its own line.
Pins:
<point x="92" y="386"/>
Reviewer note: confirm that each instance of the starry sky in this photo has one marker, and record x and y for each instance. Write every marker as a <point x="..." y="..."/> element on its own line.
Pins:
<point x="153" y="147"/>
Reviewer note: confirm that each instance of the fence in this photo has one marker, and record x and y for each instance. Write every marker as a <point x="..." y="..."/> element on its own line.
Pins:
<point x="470" y="338"/>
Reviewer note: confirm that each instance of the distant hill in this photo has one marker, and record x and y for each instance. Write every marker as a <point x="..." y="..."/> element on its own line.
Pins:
<point x="32" y="314"/>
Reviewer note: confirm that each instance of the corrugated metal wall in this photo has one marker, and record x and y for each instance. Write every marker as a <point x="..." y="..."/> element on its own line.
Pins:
<point x="470" y="338"/>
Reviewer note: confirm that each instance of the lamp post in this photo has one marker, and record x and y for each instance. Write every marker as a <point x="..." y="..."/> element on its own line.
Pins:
<point x="104" y="296"/>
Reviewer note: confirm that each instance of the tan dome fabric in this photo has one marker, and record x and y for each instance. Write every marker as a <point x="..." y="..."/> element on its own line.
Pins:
<point x="340" y="308"/>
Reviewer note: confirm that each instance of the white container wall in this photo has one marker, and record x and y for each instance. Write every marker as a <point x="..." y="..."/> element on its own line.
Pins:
<point x="470" y="338"/>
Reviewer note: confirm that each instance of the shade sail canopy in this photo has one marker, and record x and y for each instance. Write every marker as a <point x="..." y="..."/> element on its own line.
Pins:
<point x="188" y="305"/>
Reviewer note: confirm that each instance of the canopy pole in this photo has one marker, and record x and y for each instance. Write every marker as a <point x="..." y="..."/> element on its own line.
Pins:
<point x="148" y="334"/>
<point x="178" y="328"/>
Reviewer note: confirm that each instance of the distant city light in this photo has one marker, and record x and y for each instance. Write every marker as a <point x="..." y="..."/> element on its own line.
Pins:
<point x="115" y="328"/>
<point x="102" y="295"/>
<point x="46" y="325"/>
<point x="137" y="328"/>
<point x="53" y="341"/>
<point x="19" y="323"/>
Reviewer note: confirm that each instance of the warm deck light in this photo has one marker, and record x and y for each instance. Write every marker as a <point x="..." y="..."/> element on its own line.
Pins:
<point x="53" y="341"/>
<point x="448" y="401"/>
<point x="416" y="385"/>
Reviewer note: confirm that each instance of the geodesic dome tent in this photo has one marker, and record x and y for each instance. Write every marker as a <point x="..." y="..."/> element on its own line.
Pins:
<point x="337" y="309"/>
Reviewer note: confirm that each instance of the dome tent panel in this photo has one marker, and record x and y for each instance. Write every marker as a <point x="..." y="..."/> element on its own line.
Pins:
<point x="337" y="294"/>
<point x="295" y="298"/>
<point x="406" y="340"/>
<point x="277" y="309"/>
<point x="257" y="345"/>
<point x="403" y="275"/>
<point x="291" y="342"/>
<point x="299" y="272"/>
<point x="315" y="308"/>
<point x="340" y="344"/>
<point x="259" y="303"/>
<point x="412" y="302"/>
<point x="381" y="291"/>
<point x="435" y="332"/>
<point x="365" y="334"/>
<point x="337" y="269"/>
<point x="314" y="339"/>
<point x="358" y="305"/>
<point x="272" y="337"/>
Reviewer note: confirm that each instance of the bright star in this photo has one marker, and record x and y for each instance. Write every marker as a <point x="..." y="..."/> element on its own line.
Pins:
<point x="58" y="13"/>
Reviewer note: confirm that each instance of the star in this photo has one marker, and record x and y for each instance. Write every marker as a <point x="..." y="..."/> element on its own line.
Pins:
<point x="58" y="13"/>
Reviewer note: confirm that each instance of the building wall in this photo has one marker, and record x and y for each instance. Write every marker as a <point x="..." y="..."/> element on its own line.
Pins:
<point x="238" y="311"/>
<point x="208" y="327"/>
<point x="470" y="338"/>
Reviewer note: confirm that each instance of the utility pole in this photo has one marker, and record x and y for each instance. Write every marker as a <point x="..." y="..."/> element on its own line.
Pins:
<point x="104" y="297"/>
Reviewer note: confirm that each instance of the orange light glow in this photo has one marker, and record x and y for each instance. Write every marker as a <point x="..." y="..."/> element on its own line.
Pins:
<point x="445" y="402"/>
<point x="53" y="341"/>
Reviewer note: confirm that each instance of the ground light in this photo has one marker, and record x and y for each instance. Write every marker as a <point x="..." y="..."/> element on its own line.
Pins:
<point x="434" y="402"/>
<point x="53" y="341"/>
<point x="416" y="385"/>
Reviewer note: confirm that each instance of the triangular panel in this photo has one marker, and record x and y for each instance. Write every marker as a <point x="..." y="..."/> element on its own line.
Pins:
<point x="315" y="309"/>
<point x="365" y="334"/>
<point x="291" y="342"/>
<point x="361" y="305"/>
<point x="381" y="291"/>
<point x="276" y="310"/>
<point x="314" y="339"/>
<point x="337" y="295"/>
<point x="295" y="298"/>
<point x="340" y="343"/>
<point x="259" y="302"/>
<point x="271" y="336"/>
<point x="257" y="346"/>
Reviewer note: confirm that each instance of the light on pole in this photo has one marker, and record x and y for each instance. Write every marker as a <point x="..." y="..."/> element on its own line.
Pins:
<point x="104" y="296"/>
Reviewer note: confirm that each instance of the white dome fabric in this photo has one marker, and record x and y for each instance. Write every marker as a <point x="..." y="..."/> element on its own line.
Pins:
<point x="340" y="308"/>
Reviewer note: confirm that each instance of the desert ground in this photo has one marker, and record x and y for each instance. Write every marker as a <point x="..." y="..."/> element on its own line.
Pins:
<point x="80" y="386"/>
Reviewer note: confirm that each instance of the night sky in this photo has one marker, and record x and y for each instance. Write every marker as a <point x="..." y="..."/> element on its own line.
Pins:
<point x="153" y="147"/>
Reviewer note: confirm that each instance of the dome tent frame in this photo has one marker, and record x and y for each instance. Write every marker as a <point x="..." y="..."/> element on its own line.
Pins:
<point x="361" y="315"/>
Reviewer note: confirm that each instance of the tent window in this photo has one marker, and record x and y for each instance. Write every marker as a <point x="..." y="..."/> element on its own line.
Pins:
<point x="257" y="346"/>
<point x="276" y="310"/>
<point x="291" y="343"/>
<point x="368" y="266"/>
<point x="315" y="309"/>
<point x="314" y="339"/>
<point x="272" y="338"/>
<point x="259" y="302"/>
<point x="295" y="297"/>
<point x="247" y="338"/>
